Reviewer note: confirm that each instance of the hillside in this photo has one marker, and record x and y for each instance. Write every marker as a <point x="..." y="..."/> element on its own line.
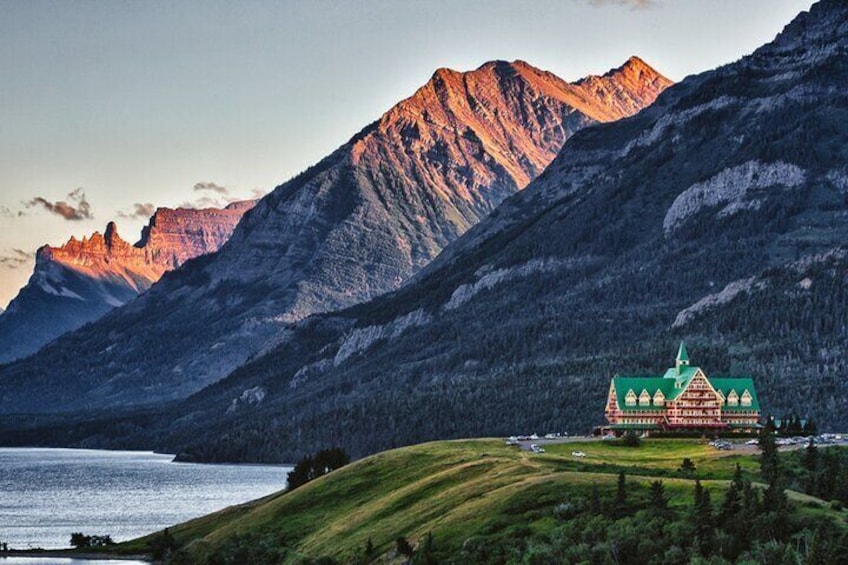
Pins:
<point x="78" y="282"/>
<point x="355" y="225"/>
<point x="480" y="501"/>
<point x="716" y="216"/>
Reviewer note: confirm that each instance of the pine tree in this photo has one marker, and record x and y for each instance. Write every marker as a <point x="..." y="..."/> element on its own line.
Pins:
<point x="769" y="461"/>
<point x="811" y="457"/>
<point x="658" y="497"/>
<point x="733" y="498"/>
<point x="621" y="491"/>
<point x="595" y="500"/>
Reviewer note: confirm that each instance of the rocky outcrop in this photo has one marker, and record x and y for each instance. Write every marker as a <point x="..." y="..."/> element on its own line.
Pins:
<point x="81" y="280"/>
<point x="356" y="225"/>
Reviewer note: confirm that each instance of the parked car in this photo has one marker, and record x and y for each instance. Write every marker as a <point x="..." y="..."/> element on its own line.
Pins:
<point x="578" y="454"/>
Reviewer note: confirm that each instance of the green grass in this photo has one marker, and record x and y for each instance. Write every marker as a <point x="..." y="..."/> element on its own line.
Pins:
<point x="456" y="490"/>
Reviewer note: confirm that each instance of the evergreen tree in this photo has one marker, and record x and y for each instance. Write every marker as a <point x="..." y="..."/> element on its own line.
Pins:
<point x="733" y="497"/>
<point x="404" y="547"/>
<point x="769" y="462"/>
<point x="702" y="520"/>
<point x="687" y="467"/>
<point x="659" y="501"/>
<point x="595" y="500"/>
<point x="368" y="553"/>
<point x="311" y="467"/>
<point x="810" y="427"/>
<point x="621" y="492"/>
<point x="817" y="553"/>
<point x="811" y="457"/>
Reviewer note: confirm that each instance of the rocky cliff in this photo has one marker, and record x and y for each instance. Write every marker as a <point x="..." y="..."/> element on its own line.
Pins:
<point x="78" y="282"/>
<point x="354" y="226"/>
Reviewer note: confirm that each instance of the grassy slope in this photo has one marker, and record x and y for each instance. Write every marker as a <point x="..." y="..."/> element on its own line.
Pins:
<point x="457" y="490"/>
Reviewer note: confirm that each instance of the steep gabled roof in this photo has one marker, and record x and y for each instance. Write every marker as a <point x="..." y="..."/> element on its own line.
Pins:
<point x="740" y="385"/>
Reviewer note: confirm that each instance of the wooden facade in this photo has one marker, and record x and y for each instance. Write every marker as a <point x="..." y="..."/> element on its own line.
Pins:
<point x="683" y="399"/>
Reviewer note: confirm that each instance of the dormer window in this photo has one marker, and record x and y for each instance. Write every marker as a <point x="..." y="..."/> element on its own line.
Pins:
<point x="721" y="398"/>
<point x="746" y="398"/>
<point x="644" y="398"/>
<point x="630" y="399"/>
<point x="733" y="398"/>
<point x="659" y="398"/>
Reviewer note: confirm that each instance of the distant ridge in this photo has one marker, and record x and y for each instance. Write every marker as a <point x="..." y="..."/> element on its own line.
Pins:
<point x="357" y="224"/>
<point x="78" y="282"/>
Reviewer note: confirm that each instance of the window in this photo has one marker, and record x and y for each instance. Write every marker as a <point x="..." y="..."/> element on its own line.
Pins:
<point x="659" y="398"/>
<point x="733" y="398"/>
<point x="630" y="399"/>
<point x="644" y="398"/>
<point x="746" y="398"/>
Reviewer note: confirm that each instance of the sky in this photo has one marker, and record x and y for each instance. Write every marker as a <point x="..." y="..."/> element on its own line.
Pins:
<point x="109" y="109"/>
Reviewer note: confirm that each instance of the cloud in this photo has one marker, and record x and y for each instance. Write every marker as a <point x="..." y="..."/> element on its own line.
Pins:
<point x="75" y="208"/>
<point x="211" y="187"/>
<point x="15" y="258"/>
<point x="632" y="4"/>
<point x="257" y="194"/>
<point x="140" y="211"/>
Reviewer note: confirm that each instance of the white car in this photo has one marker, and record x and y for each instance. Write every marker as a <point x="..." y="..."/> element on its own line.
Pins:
<point x="578" y="454"/>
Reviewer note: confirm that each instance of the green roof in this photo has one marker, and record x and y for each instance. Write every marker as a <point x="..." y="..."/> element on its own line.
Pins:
<point x="681" y="353"/>
<point x="666" y="384"/>
<point x="740" y="385"/>
<point x="675" y="380"/>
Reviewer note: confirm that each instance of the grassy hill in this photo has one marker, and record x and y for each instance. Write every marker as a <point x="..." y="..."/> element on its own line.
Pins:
<point x="482" y="501"/>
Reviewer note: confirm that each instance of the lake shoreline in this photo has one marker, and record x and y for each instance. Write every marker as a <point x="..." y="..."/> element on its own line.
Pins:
<point x="73" y="554"/>
<point x="52" y="493"/>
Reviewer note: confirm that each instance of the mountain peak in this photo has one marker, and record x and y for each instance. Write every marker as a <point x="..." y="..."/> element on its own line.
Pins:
<point x="83" y="279"/>
<point x="111" y="234"/>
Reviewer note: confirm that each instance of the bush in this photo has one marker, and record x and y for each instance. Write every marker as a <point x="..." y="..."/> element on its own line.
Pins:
<point x="79" y="539"/>
<point x="631" y="439"/>
<point x="312" y="467"/>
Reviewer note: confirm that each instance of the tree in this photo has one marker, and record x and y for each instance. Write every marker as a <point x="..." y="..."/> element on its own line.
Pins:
<point x="811" y="457"/>
<point x="687" y="467"/>
<point x="404" y="547"/>
<point x="769" y="459"/>
<point x="621" y="491"/>
<point x="702" y="518"/>
<point x="311" y="467"/>
<point x="368" y="553"/>
<point x="425" y="553"/>
<point x="78" y="539"/>
<point x="659" y="501"/>
<point x="595" y="500"/>
<point x="810" y="427"/>
<point x="733" y="497"/>
<point x="631" y="439"/>
<point x="162" y="546"/>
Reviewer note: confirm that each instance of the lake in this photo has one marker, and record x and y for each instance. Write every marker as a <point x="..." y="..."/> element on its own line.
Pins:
<point x="46" y="494"/>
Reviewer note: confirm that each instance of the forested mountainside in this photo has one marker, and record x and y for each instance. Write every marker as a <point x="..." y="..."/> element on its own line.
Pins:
<point x="717" y="215"/>
<point x="355" y="225"/>
<point x="78" y="282"/>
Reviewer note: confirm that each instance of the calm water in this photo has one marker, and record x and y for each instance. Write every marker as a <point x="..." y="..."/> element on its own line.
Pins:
<point x="46" y="494"/>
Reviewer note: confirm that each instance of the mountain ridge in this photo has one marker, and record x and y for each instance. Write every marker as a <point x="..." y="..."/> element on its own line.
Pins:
<point x="355" y="225"/>
<point x="79" y="281"/>
<point x="716" y="215"/>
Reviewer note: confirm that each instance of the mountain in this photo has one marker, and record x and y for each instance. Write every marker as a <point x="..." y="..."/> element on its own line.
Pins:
<point x="717" y="215"/>
<point x="80" y="281"/>
<point x="354" y="226"/>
